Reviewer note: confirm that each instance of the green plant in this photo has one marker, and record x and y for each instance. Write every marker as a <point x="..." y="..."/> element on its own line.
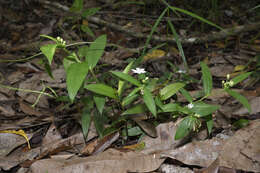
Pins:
<point x="134" y="99"/>
<point x="77" y="7"/>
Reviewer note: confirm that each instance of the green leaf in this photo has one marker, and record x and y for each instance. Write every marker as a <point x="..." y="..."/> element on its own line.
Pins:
<point x="171" y="107"/>
<point x="99" y="123"/>
<point x="203" y="109"/>
<point x="129" y="99"/>
<point x="122" y="83"/>
<point x="207" y="78"/>
<point x="85" y="122"/>
<point x="149" y="101"/>
<point x="49" y="50"/>
<point x="170" y="90"/>
<point x="100" y="103"/>
<point x="241" y="123"/>
<point x="48" y="69"/>
<point x="90" y="12"/>
<point x="126" y="77"/>
<point x="67" y="63"/>
<point x="87" y="30"/>
<point x="179" y="45"/>
<point x="240" y="78"/>
<point x="134" y="131"/>
<point x="76" y="74"/>
<point x="102" y="89"/>
<point x="158" y="102"/>
<point x="185" y="126"/>
<point x="209" y="122"/>
<point x="82" y="51"/>
<point x="192" y="15"/>
<point x="49" y="37"/>
<point x="157" y="22"/>
<point x="240" y="98"/>
<point x="186" y="94"/>
<point x="95" y="51"/>
<point x="138" y="109"/>
<point x="77" y="6"/>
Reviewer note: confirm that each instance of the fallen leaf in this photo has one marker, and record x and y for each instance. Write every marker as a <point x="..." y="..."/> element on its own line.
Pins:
<point x="110" y="161"/>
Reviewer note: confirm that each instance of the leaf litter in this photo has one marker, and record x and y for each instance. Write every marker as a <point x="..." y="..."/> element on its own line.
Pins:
<point x="53" y="152"/>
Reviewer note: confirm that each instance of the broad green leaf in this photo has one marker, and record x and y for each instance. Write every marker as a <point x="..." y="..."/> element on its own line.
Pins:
<point x="99" y="123"/>
<point x="206" y="78"/>
<point x="76" y="74"/>
<point x="240" y="98"/>
<point x="240" y="78"/>
<point x="48" y="69"/>
<point x="188" y="124"/>
<point x="170" y="107"/>
<point x="82" y="51"/>
<point x="77" y="6"/>
<point x="102" y="89"/>
<point x="95" y="51"/>
<point x="129" y="99"/>
<point x="90" y="12"/>
<point x="85" y="122"/>
<point x="126" y="77"/>
<point x="158" y="102"/>
<point x="170" y="90"/>
<point x="138" y="109"/>
<point x="209" y="122"/>
<point x="49" y="50"/>
<point x="186" y="94"/>
<point x="209" y="126"/>
<point x="122" y="83"/>
<point x="134" y="91"/>
<point x="203" y="109"/>
<point x="134" y="131"/>
<point x="100" y="103"/>
<point x="67" y="63"/>
<point x="149" y="101"/>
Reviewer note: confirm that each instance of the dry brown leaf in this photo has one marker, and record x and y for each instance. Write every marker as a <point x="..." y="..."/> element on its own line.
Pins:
<point x="110" y="161"/>
<point x="28" y="109"/>
<point x="242" y="151"/>
<point x="201" y="153"/>
<point x="10" y="141"/>
<point x="164" y="141"/>
<point x="221" y="70"/>
<point x="51" y="135"/>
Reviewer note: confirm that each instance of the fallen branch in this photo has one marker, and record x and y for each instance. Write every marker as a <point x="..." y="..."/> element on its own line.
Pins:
<point x="214" y="36"/>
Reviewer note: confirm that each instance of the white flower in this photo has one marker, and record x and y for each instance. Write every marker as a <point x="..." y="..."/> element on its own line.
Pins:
<point x="191" y="39"/>
<point x="190" y="105"/>
<point x="228" y="76"/>
<point x="139" y="70"/>
<point x="181" y="71"/>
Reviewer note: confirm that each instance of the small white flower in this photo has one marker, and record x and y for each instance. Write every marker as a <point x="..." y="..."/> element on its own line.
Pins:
<point x="138" y="70"/>
<point x="181" y="71"/>
<point x="191" y="39"/>
<point x="228" y="76"/>
<point x="190" y="105"/>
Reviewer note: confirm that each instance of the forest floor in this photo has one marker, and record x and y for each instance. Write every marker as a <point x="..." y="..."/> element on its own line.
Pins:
<point x="53" y="128"/>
